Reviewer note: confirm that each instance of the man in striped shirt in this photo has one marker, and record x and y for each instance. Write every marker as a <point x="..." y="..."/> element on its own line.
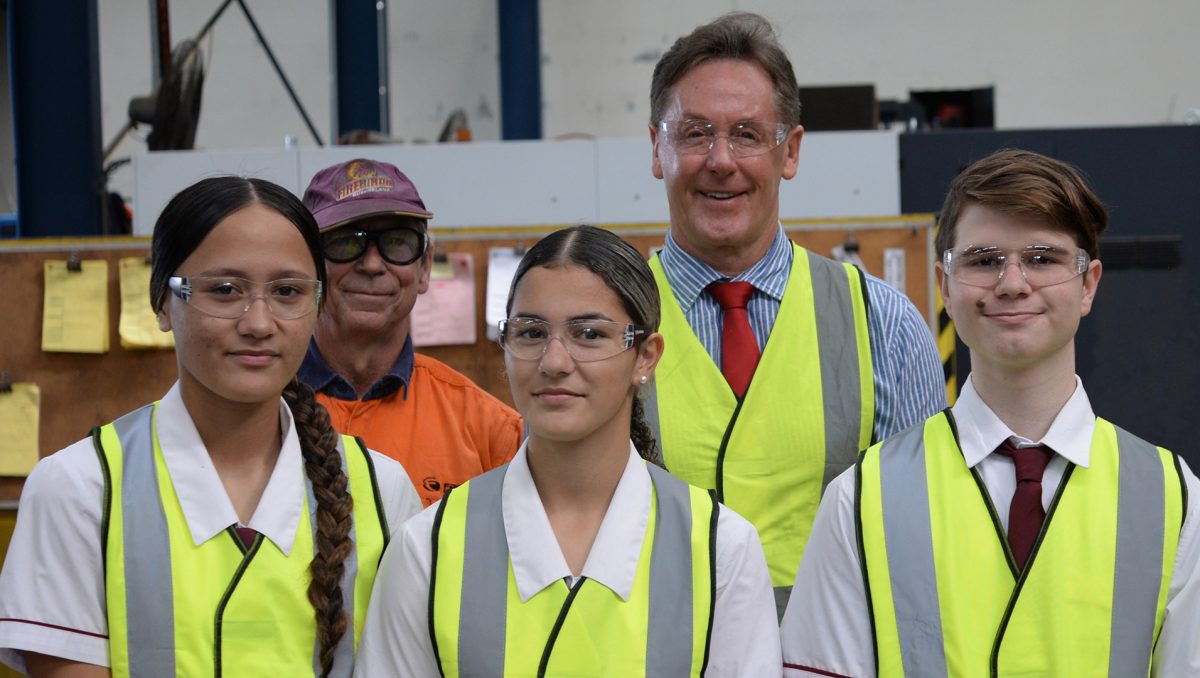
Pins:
<point x="851" y="360"/>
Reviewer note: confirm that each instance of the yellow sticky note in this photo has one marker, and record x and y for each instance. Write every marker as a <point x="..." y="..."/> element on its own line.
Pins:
<point x="138" y="327"/>
<point x="441" y="270"/>
<point x="19" y="429"/>
<point x="75" y="313"/>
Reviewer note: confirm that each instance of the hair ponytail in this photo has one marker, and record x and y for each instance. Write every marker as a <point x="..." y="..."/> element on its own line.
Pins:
<point x="642" y="436"/>
<point x="323" y="465"/>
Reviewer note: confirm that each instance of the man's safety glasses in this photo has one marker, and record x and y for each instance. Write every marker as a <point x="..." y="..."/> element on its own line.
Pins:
<point x="400" y="245"/>
<point x="230" y="298"/>
<point x="1041" y="265"/>
<point x="746" y="139"/>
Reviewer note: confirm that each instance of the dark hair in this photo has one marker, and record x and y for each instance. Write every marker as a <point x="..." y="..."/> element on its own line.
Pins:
<point x="196" y="210"/>
<point x="738" y="35"/>
<point x="624" y="270"/>
<point x="335" y="510"/>
<point x="187" y="219"/>
<point x="1028" y="184"/>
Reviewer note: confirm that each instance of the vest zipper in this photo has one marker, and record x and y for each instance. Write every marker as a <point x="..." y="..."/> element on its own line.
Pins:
<point x="862" y="551"/>
<point x="724" y="446"/>
<point x="562" y="617"/>
<point x="433" y="568"/>
<point x="712" y="577"/>
<point x="1012" y="601"/>
<point x="237" y="577"/>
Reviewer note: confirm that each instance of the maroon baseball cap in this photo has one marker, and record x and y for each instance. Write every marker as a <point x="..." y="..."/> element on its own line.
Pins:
<point x="361" y="188"/>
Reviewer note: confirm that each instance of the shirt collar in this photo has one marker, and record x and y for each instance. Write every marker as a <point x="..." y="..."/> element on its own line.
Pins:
<point x="689" y="275"/>
<point x="316" y="372"/>
<point x="538" y="561"/>
<point x="205" y="503"/>
<point x="980" y="431"/>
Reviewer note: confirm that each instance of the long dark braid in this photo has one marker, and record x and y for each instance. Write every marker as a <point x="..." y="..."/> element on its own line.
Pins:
<point x="323" y="465"/>
<point x="642" y="436"/>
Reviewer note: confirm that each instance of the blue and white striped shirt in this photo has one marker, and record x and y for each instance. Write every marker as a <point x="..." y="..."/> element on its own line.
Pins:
<point x="909" y="384"/>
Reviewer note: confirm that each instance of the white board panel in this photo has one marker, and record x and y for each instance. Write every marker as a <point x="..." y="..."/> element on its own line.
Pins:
<point x="159" y="176"/>
<point x="844" y="174"/>
<point x="487" y="183"/>
<point x="523" y="183"/>
<point x="626" y="190"/>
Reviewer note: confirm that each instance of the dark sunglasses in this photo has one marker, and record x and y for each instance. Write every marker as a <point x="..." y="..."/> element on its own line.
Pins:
<point x="400" y="246"/>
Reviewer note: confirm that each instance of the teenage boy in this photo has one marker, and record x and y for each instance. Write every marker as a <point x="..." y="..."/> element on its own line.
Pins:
<point x="1016" y="533"/>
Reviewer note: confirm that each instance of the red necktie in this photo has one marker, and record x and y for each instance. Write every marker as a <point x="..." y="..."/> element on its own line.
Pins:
<point x="1025" y="514"/>
<point x="739" y="348"/>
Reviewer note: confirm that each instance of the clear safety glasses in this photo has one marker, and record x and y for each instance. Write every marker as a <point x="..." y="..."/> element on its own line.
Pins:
<point x="1041" y="265"/>
<point x="747" y="138"/>
<point x="585" y="340"/>
<point x="230" y="298"/>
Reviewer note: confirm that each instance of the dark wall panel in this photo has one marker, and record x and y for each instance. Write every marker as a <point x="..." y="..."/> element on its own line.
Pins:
<point x="56" y="116"/>
<point x="1136" y="351"/>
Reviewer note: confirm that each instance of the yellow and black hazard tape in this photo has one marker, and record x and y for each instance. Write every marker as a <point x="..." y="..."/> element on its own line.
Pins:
<point x="946" y="343"/>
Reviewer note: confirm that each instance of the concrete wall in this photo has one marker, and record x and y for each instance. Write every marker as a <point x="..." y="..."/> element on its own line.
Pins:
<point x="1071" y="63"/>
<point x="1063" y="64"/>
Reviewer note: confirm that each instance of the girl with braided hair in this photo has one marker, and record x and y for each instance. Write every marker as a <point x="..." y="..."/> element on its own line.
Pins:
<point x="225" y="530"/>
<point x="582" y="556"/>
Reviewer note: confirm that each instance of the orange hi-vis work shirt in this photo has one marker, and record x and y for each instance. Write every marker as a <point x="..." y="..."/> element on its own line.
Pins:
<point x="441" y="426"/>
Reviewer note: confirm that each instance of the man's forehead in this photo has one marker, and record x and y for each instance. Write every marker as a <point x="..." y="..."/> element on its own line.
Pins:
<point x="731" y="89"/>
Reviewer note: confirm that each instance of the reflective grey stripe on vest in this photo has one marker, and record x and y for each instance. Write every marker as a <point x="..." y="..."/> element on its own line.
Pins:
<point x="483" y="613"/>
<point x="149" y="614"/>
<point x="343" y="656"/>
<point x="904" y="495"/>
<point x="669" y="642"/>
<point x="837" y="342"/>
<point x="1141" y="511"/>
<point x="782" y="595"/>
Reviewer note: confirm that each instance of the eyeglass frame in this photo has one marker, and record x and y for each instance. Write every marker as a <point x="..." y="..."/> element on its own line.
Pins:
<point x="629" y="337"/>
<point x="1082" y="260"/>
<point x="782" y="129"/>
<point x="372" y="238"/>
<point x="181" y="287"/>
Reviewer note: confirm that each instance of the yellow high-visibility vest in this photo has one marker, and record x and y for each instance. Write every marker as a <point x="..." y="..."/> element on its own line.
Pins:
<point x="808" y="411"/>
<point x="481" y="627"/>
<point x="945" y="593"/>
<point x="222" y="608"/>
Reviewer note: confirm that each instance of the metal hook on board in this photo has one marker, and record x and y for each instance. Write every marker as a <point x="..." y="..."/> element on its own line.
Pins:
<point x="848" y="251"/>
<point x="851" y="245"/>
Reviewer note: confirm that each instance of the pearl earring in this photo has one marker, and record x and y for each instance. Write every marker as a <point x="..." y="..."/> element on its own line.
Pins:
<point x="643" y="379"/>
